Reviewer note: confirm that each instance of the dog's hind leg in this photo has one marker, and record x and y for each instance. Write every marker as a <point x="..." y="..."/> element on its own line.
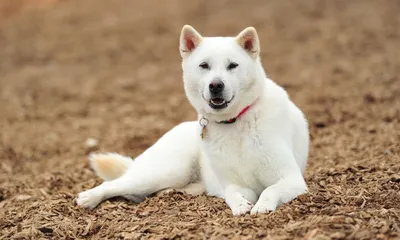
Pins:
<point x="172" y="162"/>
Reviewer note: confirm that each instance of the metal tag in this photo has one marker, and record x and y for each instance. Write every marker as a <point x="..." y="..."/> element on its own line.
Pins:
<point x="203" y="123"/>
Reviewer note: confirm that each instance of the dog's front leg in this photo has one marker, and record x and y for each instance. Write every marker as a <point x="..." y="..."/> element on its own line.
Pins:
<point x="239" y="199"/>
<point x="282" y="192"/>
<point x="289" y="180"/>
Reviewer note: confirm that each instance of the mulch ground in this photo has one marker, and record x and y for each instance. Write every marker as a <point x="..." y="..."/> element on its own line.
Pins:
<point x="110" y="70"/>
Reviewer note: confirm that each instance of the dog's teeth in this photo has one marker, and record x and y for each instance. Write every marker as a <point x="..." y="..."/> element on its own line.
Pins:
<point x="221" y="103"/>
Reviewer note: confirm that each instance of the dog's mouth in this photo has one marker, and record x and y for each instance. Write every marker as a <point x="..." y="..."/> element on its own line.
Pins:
<point x="219" y="103"/>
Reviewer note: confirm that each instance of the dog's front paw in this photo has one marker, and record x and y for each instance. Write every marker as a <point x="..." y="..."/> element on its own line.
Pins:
<point x="241" y="206"/>
<point x="89" y="199"/>
<point x="263" y="206"/>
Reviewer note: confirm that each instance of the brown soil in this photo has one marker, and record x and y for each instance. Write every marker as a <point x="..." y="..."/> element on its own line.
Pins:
<point x="110" y="70"/>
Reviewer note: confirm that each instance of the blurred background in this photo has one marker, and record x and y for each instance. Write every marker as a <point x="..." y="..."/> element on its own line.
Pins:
<point x="79" y="76"/>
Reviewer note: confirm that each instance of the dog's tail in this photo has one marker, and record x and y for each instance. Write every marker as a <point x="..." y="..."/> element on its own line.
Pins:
<point x="109" y="166"/>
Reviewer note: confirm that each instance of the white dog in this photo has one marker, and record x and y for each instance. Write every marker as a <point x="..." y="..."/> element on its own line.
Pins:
<point x="249" y="145"/>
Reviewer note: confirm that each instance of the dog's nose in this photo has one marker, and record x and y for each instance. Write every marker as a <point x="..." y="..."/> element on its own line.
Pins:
<point x="216" y="86"/>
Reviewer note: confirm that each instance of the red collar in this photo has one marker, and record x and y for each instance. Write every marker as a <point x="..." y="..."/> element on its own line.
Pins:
<point x="232" y="120"/>
<point x="204" y="121"/>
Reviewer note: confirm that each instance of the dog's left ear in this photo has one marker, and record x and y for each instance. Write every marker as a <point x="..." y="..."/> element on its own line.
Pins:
<point x="189" y="40"/>
<point x="248" y="40"/>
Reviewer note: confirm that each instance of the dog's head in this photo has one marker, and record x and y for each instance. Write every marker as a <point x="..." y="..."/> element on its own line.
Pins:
<point x="222" y="75"/>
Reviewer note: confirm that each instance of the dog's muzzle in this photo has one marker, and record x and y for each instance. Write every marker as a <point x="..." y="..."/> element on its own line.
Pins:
<point x="219" y="102"/>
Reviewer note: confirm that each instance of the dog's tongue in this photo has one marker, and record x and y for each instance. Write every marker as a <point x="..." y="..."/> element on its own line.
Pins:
<point x="217" y="100"/>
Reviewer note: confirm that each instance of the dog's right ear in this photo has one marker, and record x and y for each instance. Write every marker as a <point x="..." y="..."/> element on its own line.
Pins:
<point x="189" y="40"/>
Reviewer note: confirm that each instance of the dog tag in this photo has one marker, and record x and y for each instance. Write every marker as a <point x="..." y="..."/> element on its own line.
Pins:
<point x="203" y="132"/>
<point x="203" y="123"/>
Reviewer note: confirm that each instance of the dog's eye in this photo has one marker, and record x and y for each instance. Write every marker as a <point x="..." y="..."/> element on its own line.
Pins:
<point x="204" y="65"/>
<point x="232" y="65"/>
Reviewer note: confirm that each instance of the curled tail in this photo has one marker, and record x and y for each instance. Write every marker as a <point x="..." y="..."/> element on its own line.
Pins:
<point x="109" y="166"/>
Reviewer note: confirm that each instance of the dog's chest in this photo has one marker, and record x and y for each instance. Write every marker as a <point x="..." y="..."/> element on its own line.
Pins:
<point x="235" y="152"/>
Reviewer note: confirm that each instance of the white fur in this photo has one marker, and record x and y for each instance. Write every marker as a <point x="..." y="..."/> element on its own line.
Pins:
<point x="255" y="164"/>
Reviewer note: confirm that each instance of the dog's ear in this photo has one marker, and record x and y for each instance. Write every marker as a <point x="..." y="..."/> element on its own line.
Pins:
<point x="189" y="40"/>
<point x="248" y="40"/>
